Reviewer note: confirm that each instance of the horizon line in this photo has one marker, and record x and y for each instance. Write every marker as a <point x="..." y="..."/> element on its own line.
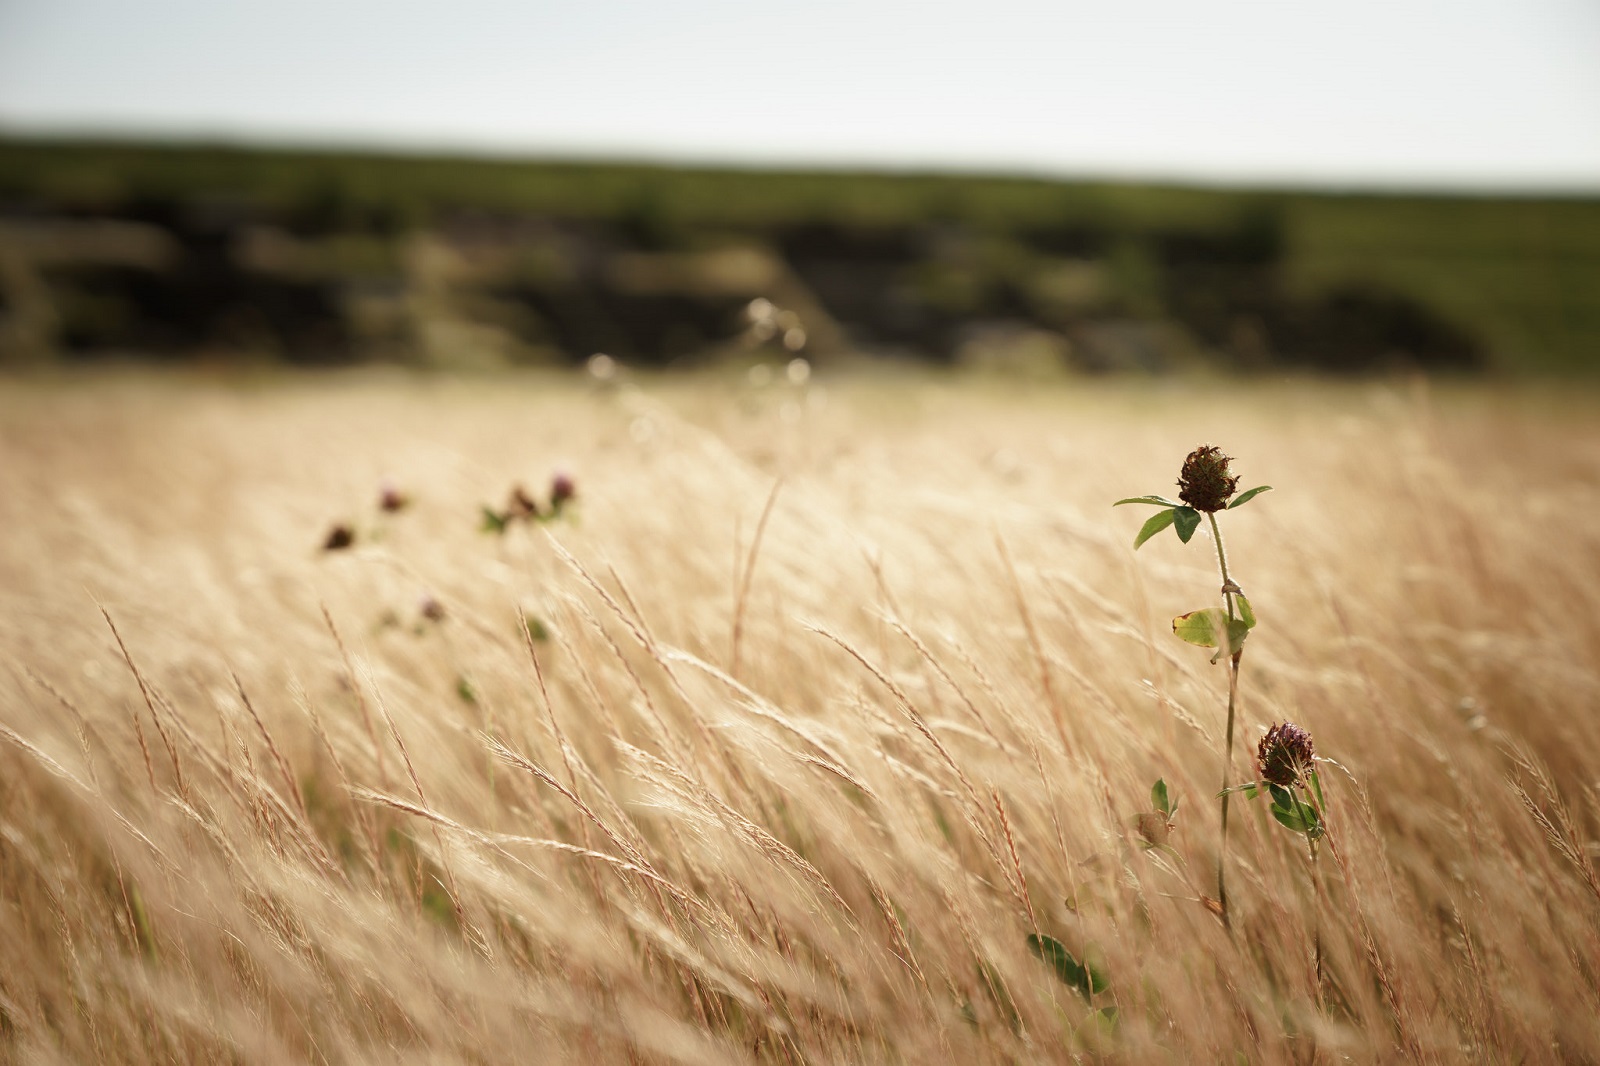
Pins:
<point x="482" y="150"/>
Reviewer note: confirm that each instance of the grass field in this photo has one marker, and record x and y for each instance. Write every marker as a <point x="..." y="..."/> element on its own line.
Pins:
<point x="793" y="788"/>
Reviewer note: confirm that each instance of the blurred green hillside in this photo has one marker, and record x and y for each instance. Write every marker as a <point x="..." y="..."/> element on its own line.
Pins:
<point x="178" y="251"/>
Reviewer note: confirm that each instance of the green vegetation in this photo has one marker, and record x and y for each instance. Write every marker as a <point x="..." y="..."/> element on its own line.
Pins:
<point x="353" y="188"/>
<point x="1504" y="283"/>
<point x="1205" y="486"/>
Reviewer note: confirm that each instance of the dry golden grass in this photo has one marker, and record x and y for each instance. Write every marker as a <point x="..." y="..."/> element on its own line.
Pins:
<point x="269" y="835"/>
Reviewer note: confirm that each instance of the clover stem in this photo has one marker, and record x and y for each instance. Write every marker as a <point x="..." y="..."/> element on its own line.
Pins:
<point x="1227" y="775"/>
<point x="1313" y="792"/>
<point x="1222" y="562"/>
<point x="1227" y="754"/>
<point x="1316" y="905"/>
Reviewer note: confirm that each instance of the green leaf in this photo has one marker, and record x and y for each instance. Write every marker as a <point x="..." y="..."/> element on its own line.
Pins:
<point x="1302" y="818"/>
<point x="492" y="521"/>
<point x="143" y="933"/>
<point x="1316" y="787"/>
<point x="1158" y="521"/>
<point x="1295" y="814"/>
<point x="1159" y="501"/>
<point x="1086" y="979"/>
<point x="1248" y="495"/>
<point x="1187" y="520"/>
<point x="1290" y="818"/>
<point x="1158" y="796"/>
<point x="1247" y="614"/>
<point x="1096" y="1034"/>
<point x="1238" y="629"/>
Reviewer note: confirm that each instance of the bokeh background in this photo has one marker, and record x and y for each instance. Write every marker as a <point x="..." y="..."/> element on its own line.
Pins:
<point x="1019" y="187"/>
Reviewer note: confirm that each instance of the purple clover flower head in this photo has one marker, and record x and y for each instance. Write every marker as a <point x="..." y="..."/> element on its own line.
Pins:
<point x="391" y="497"/>
<point x="562" y="489"/>
<point x="430" y="608"/>
<point x="1285" y="756"/>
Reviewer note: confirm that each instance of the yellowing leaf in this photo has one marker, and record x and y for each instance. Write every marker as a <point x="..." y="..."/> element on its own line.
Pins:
<point x="1211" y="627"/>
<point x="1203" y="628"/>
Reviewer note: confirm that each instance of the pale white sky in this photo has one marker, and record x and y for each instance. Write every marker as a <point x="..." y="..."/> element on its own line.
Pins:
<point x="1455" y="93"/>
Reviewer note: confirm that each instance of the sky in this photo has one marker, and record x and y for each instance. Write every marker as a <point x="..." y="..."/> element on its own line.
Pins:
<point x="1490" y="94"/>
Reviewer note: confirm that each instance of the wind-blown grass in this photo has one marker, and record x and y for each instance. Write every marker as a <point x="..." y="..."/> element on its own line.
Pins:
<point x="281" y="815"/>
